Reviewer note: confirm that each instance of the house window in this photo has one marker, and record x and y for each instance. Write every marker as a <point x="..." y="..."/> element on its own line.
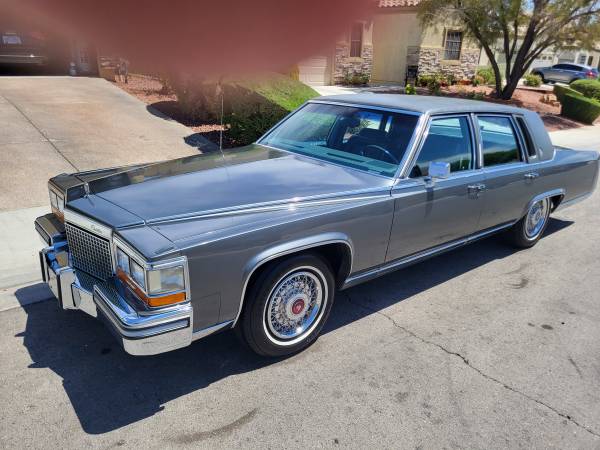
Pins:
<point x="453" y="44"/>
<point x="590" y="60"/>
<point x="582" y="59"/>
<point x="356" y="37"/>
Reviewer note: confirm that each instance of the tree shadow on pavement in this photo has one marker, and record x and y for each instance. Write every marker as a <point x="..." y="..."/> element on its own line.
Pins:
<point x="110" y="389"/>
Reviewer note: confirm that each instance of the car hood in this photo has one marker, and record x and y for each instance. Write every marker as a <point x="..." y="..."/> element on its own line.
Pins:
<point x="238" y="179"/>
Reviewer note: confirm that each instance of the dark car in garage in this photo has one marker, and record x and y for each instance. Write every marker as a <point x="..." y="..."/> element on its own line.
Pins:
<point x="23" y="47"/>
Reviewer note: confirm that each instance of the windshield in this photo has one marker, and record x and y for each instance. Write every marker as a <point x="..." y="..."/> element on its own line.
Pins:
<point x="365" y="139"/>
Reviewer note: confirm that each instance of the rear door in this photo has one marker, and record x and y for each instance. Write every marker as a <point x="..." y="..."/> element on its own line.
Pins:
<point x="509" y="179"/>
<point x="557" y="73"/>
<point x="432" y="212"/>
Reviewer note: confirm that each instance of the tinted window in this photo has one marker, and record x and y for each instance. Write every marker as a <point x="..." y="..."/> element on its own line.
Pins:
<point x="498" y="140"/>
<point x="449" y="140"/>
<point x="528" y="140"/>
<point x="364" y="139"/>
<point x="561" y="66"/>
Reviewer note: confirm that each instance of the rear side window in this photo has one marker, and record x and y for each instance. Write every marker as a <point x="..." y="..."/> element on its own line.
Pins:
<point x="527" y="136"/>
<point x="448" y="140"/>
<point x="498" y="141"/>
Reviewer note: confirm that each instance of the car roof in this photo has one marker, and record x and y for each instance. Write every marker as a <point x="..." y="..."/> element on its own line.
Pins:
<point x="423" y="104"/>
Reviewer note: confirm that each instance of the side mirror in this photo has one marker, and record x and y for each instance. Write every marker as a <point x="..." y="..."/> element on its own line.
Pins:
<point x="438" y="169"/>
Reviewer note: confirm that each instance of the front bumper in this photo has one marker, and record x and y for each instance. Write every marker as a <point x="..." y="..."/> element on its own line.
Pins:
<point x="23" y="59"/>
<point x="140" y="332"/>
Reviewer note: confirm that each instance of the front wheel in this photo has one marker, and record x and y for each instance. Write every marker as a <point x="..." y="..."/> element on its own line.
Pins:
<point x="287" y="305"/>
<point x="528" y="231"/>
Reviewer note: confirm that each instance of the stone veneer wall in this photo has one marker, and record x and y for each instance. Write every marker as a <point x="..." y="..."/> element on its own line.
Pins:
<point x="343" y="64"/>
<point x="431" y="62"/>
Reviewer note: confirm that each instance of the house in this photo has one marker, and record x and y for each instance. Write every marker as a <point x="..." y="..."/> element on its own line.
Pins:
<point x="391" y="46"/>
<point x="352" y="53"/>
<point x="403" y="48"/>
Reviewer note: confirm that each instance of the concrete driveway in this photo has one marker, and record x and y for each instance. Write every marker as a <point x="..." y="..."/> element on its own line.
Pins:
<point x="482" y="348"/>
<point x="51" y="125"/>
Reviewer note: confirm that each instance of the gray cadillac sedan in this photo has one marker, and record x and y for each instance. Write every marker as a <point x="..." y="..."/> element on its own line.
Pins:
<point x="259" y="238"/>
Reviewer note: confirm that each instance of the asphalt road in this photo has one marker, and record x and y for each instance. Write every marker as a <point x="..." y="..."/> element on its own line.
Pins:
<point x="482" y="348"/>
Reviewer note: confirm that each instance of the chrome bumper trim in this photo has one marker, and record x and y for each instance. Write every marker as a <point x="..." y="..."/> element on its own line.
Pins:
<point x="147" y="334"/>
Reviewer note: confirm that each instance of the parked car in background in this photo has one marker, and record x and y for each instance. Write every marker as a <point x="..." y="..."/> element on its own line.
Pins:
<point x="345" y="189"/>
<point x="566" y="73"/>
<point x="22" y="47"/>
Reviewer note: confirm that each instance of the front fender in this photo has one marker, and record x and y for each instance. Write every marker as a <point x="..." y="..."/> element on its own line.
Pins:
<point x="286" y="248"/>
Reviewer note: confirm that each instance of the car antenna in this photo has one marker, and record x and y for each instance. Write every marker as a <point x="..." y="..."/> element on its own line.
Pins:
<point x="222" y="94"/>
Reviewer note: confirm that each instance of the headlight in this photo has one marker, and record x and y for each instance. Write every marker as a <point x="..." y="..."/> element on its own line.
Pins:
<point x="122" y="261"/>
<point x="166" y="280"/>
<point x="166" y="283"/>
<point x="137" y="273"/>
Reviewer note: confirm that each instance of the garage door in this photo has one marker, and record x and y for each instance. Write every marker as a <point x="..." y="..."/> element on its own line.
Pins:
<point x="315" y="71"/>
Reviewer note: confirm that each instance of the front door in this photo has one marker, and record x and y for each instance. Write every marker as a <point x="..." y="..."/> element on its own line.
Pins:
<point x="432" y="212"/>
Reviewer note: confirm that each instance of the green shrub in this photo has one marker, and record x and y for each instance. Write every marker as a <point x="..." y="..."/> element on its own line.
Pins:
<point x="424" y="80"/>
<point x="533" y="80"/>
<point x="251" y="106"/>
<point x="450" y="79"/>
<point x="356" y="78"/>
<point x="589" y="88"/>
<point x="410" y="90"/>
<point x="580" y="108"/>
<point x="560" y="91"/>
<point x="486" y="74"/>
<point x="433" y="82"/>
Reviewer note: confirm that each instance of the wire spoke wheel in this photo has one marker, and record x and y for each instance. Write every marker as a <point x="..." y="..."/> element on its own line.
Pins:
<point x="295" y="305"/>
<point x="536" y="219"/>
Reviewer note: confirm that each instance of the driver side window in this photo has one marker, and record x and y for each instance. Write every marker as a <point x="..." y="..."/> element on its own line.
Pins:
<point x="448" y="140"/>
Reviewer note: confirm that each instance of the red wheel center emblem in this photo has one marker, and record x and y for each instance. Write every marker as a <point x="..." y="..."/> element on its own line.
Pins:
<point x="298" y="306"/>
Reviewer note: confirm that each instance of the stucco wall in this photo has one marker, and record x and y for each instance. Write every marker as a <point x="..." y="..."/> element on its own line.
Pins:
<point x="399" y="40"/>
<point x="393" y="34"/>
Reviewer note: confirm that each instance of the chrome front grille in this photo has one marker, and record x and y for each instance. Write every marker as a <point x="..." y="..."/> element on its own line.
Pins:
<point x="89" y="252"/>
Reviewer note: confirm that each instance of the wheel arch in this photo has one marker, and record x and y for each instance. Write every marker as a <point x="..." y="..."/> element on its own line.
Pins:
<point x="556" y="196"/>
<point x="335" y="248"/>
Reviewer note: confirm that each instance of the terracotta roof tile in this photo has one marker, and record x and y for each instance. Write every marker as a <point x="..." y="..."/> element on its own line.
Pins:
<point x="397" y="3"/>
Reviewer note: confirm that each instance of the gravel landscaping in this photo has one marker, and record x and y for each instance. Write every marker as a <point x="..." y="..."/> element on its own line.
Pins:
<point x="150" y="90"/>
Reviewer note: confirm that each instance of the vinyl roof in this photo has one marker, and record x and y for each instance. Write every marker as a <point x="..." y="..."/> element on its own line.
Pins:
<point x="420" y="103"/>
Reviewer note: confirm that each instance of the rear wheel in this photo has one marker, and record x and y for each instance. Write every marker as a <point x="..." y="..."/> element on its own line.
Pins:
<point x="528" y="231"/>
<point x="287" y="305"/>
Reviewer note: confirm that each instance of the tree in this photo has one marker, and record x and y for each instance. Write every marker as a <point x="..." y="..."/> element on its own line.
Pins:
<point x="522" y="29"/>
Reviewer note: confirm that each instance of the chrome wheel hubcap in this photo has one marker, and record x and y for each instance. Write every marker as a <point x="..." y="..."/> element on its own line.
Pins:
<point x="536" y="218"/>
<point x="294" y="305"/>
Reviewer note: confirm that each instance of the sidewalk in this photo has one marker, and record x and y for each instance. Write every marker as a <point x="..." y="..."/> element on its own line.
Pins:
<point x="584" y="138"/>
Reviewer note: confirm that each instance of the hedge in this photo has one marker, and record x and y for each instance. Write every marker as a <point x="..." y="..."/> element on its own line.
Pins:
<point x="582" y="109"/>
<point x="560" y="91"/>
<point x="251" y="106"/>
<point x="589" y="88"/>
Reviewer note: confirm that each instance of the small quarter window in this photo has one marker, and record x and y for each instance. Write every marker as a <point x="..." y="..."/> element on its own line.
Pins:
<point x="527" y="136"/>
<point x="498" y="141"/>
<point x="449" y="140"/>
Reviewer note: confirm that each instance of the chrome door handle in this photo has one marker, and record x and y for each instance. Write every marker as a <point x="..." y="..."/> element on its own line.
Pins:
<point x="532" y="175"/>
<point x="476" y="187"/>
